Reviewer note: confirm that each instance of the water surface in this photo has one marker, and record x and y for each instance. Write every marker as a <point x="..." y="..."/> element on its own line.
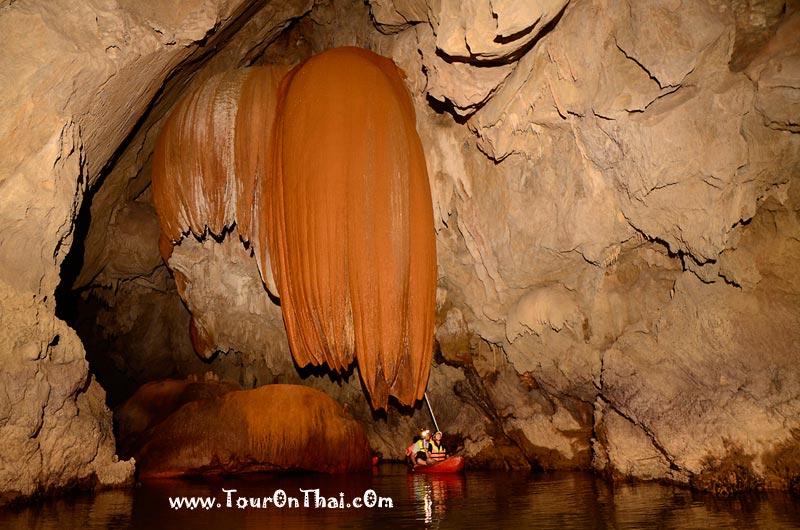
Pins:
<point x="562" y="501"/>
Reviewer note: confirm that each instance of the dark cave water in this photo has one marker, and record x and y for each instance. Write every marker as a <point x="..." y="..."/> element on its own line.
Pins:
<point x="560" y="500"/>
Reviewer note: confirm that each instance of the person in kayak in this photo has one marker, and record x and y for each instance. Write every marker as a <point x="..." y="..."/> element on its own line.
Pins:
<point x="419" y="451"/>
<point x="437" y="452"/>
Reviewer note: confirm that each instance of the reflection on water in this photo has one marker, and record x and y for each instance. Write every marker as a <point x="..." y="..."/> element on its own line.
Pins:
<point x="431" y="494"/>
<point x="473" y="500"/>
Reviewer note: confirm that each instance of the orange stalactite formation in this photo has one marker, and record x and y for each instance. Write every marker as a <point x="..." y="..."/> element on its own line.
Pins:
<point x="210" y="155"/>
<point x="259" y="102"/>
<point x="351" y="223"/>
<point x="193" y="170"/>
<point x="325" y="174"/>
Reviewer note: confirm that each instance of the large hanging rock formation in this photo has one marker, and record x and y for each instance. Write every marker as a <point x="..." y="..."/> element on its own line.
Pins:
<point x="340" y="196"/>
<point x="351" y="223"/>
<point x="212" y="154"/>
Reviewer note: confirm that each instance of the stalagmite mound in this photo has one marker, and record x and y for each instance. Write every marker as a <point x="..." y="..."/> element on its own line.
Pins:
<point x="270" y="428"/>
<point x="156" y="401"/>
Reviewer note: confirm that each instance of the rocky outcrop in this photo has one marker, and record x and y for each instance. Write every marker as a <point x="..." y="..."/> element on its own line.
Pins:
<point x="695" y="391"/>
<point x="54" y="425"/>
<point x="621" y="200"/>
<point x="270" y="428"/>
<point x="615" y="192"/>
<point x="468" y="48"/>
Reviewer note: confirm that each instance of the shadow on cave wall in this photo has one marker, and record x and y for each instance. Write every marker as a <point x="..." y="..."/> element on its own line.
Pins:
<point x="80" y="310"/>
<point x="90" y="308"/>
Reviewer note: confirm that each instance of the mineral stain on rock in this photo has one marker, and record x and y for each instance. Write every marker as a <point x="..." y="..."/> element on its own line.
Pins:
<point x="728" y="475"/>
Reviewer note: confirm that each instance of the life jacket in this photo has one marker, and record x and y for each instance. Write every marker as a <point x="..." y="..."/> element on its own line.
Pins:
<point x="419" y="445"/>
<point x="438" y="452"/>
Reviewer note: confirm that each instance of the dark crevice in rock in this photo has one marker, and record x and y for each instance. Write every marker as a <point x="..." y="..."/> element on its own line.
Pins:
<point x="75" y="143"/>
<point x="472" y="390"/>
<point x="65" y="296"/>
<point x="513" y="56"/>
<point x="656" y="444"/>
<point x="119" y="385"/>
<point x="447" y="107"/>
<point x="664" y="93"/>
<point x="508" y="39"/>
<point x="639" y="64"/>
<point x="653" y="239"/>
<point x="391" y="29"/>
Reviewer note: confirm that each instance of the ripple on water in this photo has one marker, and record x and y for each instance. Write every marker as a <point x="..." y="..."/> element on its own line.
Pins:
<point x="560" y="501"/>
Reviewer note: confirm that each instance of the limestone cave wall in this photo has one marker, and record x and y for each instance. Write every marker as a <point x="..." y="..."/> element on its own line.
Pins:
<point x="616" y="206"/>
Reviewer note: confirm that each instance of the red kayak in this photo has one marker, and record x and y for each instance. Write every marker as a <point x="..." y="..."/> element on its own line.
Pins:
<point x="454" y="464"/>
